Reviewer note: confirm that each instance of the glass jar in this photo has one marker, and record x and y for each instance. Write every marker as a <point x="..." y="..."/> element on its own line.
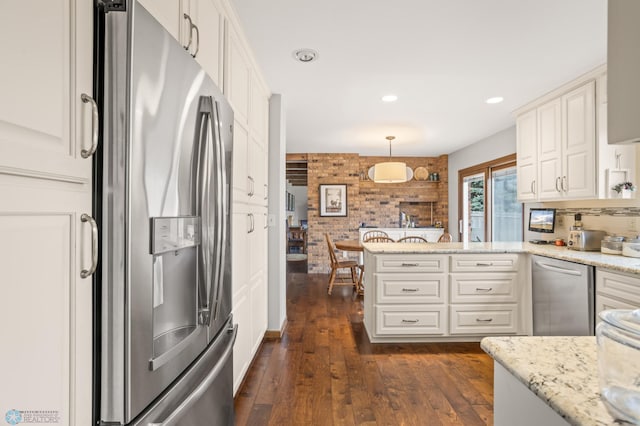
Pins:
<point x="618" y="337"/>
<point x="611" y="245"/>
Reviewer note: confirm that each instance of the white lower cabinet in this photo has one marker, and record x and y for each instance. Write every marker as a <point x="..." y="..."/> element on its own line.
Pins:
<point x="616" y="290"/>
<point x="423" y="297"/>
<point x="249" y="278"/>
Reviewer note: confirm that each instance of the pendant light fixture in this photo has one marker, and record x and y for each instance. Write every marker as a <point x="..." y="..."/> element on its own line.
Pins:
<point x="391" y="171"/>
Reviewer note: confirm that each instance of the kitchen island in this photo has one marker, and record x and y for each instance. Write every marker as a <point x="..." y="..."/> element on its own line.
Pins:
<point x="594" y="258"/>
<point x="546" y="380"/>
<point x="423" y="292"/>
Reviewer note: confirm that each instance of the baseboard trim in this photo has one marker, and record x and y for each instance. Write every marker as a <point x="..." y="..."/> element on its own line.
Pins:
<point x="276" y="334"/>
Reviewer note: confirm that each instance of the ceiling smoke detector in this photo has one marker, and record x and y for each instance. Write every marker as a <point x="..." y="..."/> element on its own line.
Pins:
<point x="305" y="55"/>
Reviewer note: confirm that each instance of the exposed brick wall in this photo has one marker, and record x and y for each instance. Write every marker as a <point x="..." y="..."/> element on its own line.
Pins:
<point x="368" y="202"/>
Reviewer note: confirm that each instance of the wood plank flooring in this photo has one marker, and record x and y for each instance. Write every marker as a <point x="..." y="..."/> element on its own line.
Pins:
<point x="324" y="371"/>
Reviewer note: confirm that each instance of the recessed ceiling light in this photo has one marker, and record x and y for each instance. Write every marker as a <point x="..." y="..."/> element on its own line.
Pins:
<point x="389" y="98"/>
<point x="495" y="100"/>
<point x="305" y="55"/>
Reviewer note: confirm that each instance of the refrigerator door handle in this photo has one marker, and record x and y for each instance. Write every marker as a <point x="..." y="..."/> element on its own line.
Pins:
<point x="175" y="416"/>
<point x="221" y="218"/>
<point x="202" y="204"/>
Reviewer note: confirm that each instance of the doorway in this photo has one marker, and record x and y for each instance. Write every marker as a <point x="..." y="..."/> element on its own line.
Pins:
<point x="488" y="205"/>
<point x="296" y="212"/>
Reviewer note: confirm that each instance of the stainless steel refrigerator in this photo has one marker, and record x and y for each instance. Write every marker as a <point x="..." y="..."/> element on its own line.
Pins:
<point x="166" y="334"/>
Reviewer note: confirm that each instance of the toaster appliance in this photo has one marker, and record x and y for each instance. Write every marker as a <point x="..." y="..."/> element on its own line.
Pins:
<point x="585" y="240"/>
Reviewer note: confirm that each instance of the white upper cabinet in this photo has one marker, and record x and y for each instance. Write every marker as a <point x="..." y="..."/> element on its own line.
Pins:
<point x="207" y="38"/>
<point x="259" y="111"/>
<point x="198" y="25"/>
<point x="579" y="142"/>
<point x="527" y="155"/>
<point x="550" y="150"/>
<point x="169" y="13"/>
<point x="623" y="62"/>
<point x="44" y="123"/>
<point x="237" y="78"/>
<point x="562" y="128"/>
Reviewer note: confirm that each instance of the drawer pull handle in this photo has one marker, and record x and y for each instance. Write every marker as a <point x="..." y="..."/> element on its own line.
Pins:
<point x="484" y="264"/>
<point x="406" y="321"/>
<point x="410" y="264"/>
<point x="410" y="290"/>
<point x="484" y="289"/>
<point x="484" y="320"/>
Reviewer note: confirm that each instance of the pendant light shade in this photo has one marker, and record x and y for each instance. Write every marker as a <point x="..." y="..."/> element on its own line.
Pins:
<point x="391" y="171"/>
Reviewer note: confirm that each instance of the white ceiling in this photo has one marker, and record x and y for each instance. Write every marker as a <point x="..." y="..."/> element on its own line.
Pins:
<point x="442" y="58"/>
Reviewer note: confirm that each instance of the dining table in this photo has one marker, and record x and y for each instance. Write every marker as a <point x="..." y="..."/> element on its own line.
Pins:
<point x="349" y="245"/>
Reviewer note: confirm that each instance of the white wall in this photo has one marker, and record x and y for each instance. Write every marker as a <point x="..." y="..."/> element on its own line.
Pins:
<point x="495" y="146"/>
<point x="277" y="288"/>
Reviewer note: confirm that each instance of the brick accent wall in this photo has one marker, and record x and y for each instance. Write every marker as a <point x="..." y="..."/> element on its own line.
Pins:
<point x="368" y="202"/>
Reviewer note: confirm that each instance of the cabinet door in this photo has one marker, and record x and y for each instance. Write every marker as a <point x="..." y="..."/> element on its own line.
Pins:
<point x="43" y="122"/>
<point x="550" y="150"/>
<point x="236" y="85"/>
<point x="259" y="110"/>
<point x="208" y="17"/>
<point x="45" y="186"/>
<point x="623" y="63"/>
<point x="241" y="183"/>
<point x="579" y="164"/>
<point x="242" y="347"/>
<point x="527" y="156"/>
<point x="258" y="172"/>
<point x="169" y="14"/>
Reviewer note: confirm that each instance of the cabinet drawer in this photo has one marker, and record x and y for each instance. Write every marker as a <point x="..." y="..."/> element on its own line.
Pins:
<point x="416" y="319"/>
<point x="411" y="288"/>
<point x="489" y="262"/>
<point x="623" y="287"/>
<point x="483" y="319"/>
<point x="483" y="288"/>
<point x="604" y="302"/>
<point x="410" y="263"/>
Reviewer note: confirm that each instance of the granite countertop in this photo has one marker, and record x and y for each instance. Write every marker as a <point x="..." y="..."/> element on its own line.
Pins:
<point x="561" y="371"/>
<point x="594" y="258"/>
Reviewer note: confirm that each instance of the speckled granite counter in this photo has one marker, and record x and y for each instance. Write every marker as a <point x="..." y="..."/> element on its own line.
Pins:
<point x="613" y="262"/>
<point x="561" y="371"/>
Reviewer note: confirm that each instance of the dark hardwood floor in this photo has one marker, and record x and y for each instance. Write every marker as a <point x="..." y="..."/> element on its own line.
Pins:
<point x="324" y="371"/>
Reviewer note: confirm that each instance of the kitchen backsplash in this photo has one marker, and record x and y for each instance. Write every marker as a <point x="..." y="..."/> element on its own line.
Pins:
<point x="614" y="220"/>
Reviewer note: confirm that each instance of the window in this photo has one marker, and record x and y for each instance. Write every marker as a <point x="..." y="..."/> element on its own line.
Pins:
<point x="488" y="205"/>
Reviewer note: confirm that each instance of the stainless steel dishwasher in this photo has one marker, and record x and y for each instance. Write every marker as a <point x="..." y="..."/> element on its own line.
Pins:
<point x="563" y="298"/>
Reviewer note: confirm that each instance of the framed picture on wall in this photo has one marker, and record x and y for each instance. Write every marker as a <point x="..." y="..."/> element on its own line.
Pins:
<point x="333" y="200"/>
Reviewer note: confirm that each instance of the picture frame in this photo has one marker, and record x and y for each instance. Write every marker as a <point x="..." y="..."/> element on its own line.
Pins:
<point x="333" y="200"/>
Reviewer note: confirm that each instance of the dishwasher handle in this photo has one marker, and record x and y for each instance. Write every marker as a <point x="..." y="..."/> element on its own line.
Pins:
<point x="558" y="269"/>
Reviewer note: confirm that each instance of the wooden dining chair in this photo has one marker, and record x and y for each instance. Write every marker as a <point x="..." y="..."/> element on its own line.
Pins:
<point x="412" y="239"/>
<point x="445" y="238"/>
<point x="336" y="264"/>
<point x="375" y="233"/>
<point x="380" y="239"/>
